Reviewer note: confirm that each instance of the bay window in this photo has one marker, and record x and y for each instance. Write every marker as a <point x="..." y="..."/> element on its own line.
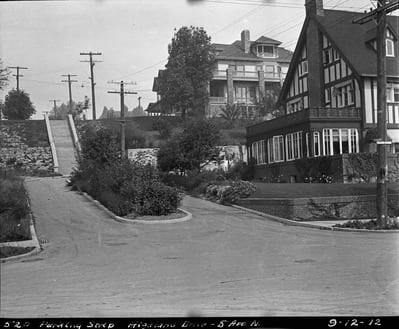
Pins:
<point x="340" y="141"/>
<point x="276" y="149"/>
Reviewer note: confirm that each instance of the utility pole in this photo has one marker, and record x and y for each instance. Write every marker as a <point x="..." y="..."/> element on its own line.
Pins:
<point x="379" y="15"/>
<point x="55" y="106"/>
<point x="69" y="87"/>
<point x="122" y="93"/>
<point x="18" y="75"/>
<point x="92" y="63"/>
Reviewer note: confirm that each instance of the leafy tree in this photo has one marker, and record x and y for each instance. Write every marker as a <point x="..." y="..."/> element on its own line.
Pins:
<point x="184" y="83"/>
<point x="230" y="113"/>
<point x="99" y="147"/>
<point x="4" y="73"/>
<point x="17" y="106"/>
<point x="61" y="112"/>
<point x="267" y="104"/>
<point x="191" y="149"/>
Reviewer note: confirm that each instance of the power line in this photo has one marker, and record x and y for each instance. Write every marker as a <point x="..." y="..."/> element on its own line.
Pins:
<point x="331" y="24"/>
<point x="92" y="63"/>
<point x="18" y="75"/>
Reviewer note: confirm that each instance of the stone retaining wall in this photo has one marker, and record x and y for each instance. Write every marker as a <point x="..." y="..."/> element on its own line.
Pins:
<point x="324" y="208"/>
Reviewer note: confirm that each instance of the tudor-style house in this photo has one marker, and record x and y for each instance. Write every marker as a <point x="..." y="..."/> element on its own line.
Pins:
<point x="330" y="92"/>
<point x="245" y="71"/>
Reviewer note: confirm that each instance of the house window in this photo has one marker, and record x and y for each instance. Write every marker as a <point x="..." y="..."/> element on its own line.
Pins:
<point x="276" y="149"/>
<point x="390" y="48"/>
<point x="245" y="94"/>
<point x="327" y="56"/>
<point x="336" y="55"/>
<point x="345" y="95"/>
<point x="340" y="141"/>
<point x="303" y="69"/>
<point x="294" y="146"/>
<point x="328" y="95"/>
<point x="269" y="68"/>
<point x="316" y="144"/>
<point x="259" y="151"/>
<point x="266" y="51"/>
<point x="396" y="94"/>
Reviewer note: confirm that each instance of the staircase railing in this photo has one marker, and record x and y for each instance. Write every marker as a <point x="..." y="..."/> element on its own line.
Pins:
<point x="74" y="134"/>
<point x="52" y="144"/>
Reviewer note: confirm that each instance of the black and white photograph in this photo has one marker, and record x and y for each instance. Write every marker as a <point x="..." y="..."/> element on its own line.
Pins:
<point x="199" y="163"/>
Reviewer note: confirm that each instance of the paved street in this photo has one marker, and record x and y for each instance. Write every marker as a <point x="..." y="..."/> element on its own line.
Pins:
<point x="222" y="262"/>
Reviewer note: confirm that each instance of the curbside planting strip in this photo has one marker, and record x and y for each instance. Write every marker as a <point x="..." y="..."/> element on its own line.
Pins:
<point x="286" y="221"/>
<point x="137" y="221"/>
<point x="34" y="242"/>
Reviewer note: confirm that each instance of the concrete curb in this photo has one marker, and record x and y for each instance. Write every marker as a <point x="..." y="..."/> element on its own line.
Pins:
<point x="315" y="226"/>
<point x="138" y="221"/>
<point x="34" y="242"/>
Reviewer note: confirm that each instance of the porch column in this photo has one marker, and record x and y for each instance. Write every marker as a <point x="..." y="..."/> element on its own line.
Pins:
<point x="262" y="90"/>
<point x="230" y="87"/>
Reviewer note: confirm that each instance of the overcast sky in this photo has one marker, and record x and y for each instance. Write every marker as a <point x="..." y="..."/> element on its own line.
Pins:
<point x="132" y="35"/>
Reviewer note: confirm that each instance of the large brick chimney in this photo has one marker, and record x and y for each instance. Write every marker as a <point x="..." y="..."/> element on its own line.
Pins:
<point x="314" y="7"/>
<point x="245" y="41"/>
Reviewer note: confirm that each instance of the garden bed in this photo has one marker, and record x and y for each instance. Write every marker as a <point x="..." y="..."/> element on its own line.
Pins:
<point x="14" y="229"/>
<point x="393" y="224"/>
<point x="175" y="215"/>
<point x="6" y="252"/>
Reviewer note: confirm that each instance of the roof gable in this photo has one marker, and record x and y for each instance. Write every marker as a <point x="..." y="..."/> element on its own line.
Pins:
<point x="352" y="40"/>
<point x="267" y="40"/>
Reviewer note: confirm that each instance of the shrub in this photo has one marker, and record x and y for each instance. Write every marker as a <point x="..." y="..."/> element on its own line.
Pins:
<point x="13" y="197"/>
<point x="228" y="192"/>
<point x="242" y="170"/>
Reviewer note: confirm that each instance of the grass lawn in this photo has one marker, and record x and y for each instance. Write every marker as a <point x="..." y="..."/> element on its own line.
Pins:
<point x="304" y="190"/>
<point x="14" y="251"/>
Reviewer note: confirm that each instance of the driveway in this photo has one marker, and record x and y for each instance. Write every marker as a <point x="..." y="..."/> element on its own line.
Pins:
<point x="224" y="262"/>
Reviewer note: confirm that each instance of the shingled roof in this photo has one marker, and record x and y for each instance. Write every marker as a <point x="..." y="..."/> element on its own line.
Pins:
<point x="352" y="40"/>
<point x="267" y="40"/>
<point x="233" y="51"/>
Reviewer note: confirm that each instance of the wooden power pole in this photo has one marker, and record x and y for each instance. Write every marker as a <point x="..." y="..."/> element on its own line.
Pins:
<point x="379" y="15"/>
<point x="18" y="75"/>
<point x="55" y="106"/>
<point x="122" y="93"/>
<point x="69" y="88"/>
<point x="92" y="63"/>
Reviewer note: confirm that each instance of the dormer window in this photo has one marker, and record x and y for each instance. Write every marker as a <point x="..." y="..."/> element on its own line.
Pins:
<point x="266" y="51"/>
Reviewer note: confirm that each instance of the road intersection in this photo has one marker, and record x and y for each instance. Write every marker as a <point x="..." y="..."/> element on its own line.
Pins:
<point x="223" y="262"/>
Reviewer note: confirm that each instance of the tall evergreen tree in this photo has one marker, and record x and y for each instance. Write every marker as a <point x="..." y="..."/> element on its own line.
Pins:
<point x="184" y="84"/>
